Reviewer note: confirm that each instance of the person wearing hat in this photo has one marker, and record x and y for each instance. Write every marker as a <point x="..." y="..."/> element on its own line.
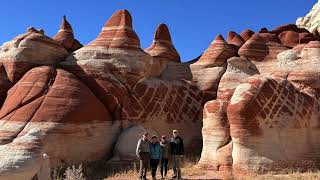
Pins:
<point x="165" y="154"/>
<point x="177" y="152"/>
<point x="142" y="152"/>
<point x="155" y="155"/>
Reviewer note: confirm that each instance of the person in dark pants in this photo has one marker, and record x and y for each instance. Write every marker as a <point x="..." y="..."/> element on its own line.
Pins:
<point x="165" y="154"/>
<point x="155" y="154"/>
<point x="177" y="152"/>
<point x="142" y="152"/>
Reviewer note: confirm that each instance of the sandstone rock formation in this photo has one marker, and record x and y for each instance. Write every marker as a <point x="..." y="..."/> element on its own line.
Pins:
<point x="162" y="46"/>
<point x="89" y="98"/>
<point x="250" y="95"/>
<point x="264" y="116"/>
<point x="311" y="20"/>
<point x="65" y="36"/>
<point x="250" y="125"/>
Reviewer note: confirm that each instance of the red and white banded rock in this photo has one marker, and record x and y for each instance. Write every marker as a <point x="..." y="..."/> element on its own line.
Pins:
<point x="262" y="51"/>
<point x="306" y="37"/>
<point x="165" y="105"/>
<point x="24" y="52"/>
<point x="287" y="27"/>
<point x="26" y="153"/>
<point x="218" y="52"/>
<point x="264" y="116"/>
<point x="289" y="38"/>
<point x="53" y="100"/>
<point x="301" y="67"/>
<point x="268" y="37"/>
<point x="118" y="33"/>
<point x="311" y="51"/>
<point x="125" y="148"/>
<point x="235" y="39"/>
<point x="238" y="70"/>
<point x="217" y="142"/>
<point x="299" y="47"/>
<point x="246" y="34"/>
<point x="114" y="62"/>
<point x="162" y="47"/>
<point x="208" y="70"/>
<point x="65" y="36"/>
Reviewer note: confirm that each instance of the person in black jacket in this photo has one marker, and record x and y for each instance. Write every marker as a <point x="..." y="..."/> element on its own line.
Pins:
<point x="177" y="152"/>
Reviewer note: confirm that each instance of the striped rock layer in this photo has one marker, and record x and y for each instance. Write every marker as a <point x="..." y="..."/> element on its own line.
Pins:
<point x="218" y="52"/>
<point x="117" y="33"/>
<point x="245" y="98"/>
<point x="216" y="152"/>
<point x="65" y="36"/>
<point x="162" y="46"/>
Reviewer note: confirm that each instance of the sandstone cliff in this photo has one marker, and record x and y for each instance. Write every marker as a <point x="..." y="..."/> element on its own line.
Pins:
<point x="247" y="97"/>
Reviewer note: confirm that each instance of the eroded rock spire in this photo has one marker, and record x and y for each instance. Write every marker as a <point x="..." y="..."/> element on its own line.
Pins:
<point x="65" y="36"/>
<point x="162" y="46"/>
<point x="118" y="32"/>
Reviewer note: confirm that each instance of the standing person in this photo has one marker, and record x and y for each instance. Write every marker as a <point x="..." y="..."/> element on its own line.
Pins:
<point x="177" y="152"/>
<point x="142" y="152"/>
<point x="155" y="154"/>
<point x="165" y="153"/>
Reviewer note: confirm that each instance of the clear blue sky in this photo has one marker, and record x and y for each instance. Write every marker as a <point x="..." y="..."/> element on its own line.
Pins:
<point x="193" y="23"/>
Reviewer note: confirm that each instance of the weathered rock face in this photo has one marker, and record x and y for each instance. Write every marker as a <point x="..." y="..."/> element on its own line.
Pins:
<point x="211" y="65"/>
<point x="25" y="52"/>
<point x="311" y="20"/>
<point x="26" y="153"/>
<point x="254" y="92"/>
<point x="262" y="50"/>
<point x="89" y="97"/>
<point x="264" y="116"/>
<point x="252" y="123"/>
<point x="217" y="149"/>
<point x="52" y="100"/>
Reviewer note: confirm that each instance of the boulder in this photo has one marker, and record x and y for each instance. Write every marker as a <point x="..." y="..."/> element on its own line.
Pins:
<point x="238" y="70"/>
<point x="289" y="38"/>
<point x="300" y="67"/>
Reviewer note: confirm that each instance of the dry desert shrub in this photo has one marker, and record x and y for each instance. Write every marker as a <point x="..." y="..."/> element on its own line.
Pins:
<point x="126" y="171"/>
<point x="69" y="173"/>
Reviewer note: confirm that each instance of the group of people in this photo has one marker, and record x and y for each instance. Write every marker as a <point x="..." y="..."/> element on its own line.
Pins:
<point x="154" y="152"/>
